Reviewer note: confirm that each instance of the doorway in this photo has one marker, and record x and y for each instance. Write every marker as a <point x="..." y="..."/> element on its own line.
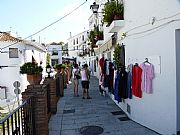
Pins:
<point x="177" y="36"/>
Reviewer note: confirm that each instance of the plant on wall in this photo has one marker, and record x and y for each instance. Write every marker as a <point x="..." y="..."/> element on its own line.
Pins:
<point x="94" y="36"/>
<point x="117" y="56"/>
<point x="48" y="58"/>
<point x="113" y="10"/>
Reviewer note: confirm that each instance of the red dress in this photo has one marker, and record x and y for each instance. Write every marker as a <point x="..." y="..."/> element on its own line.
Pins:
<point x="136" y="81"/>
<point x="101" y="63"/>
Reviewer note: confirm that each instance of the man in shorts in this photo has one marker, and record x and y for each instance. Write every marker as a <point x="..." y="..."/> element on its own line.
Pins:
<point x="85" y="77"/>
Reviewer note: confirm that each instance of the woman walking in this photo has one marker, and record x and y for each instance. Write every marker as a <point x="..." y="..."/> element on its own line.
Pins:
<point x="75" y="73"/>
<point x="85" y="77"/>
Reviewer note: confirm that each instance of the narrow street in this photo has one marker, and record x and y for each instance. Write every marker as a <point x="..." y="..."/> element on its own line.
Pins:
<point x="99" y="115"/>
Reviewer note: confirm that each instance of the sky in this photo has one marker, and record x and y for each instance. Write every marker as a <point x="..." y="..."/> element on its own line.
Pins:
<point x="26" y="17"/>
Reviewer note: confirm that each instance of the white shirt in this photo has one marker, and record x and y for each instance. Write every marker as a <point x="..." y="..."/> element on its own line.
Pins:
<point x="75" y="70"/>
<point x="84" y="75"/>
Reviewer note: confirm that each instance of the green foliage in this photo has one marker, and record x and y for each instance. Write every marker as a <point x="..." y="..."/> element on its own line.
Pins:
<point x="111" y="9"/>
<point x="54" y="43"/>
<point x="94" y="36"/>
<point x="57" y="66"/>
<point x="2" y="115"/>
<point x="64" y="66"/>
<point x="48" y="58"/>
<point x="116" y="56"/>
<point x="30" y="68"/>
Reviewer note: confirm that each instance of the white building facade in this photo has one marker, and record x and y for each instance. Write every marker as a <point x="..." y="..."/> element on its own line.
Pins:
<point x="152" y="31"/>
<point x="14" y="53"/>
<point x="55" y="52"/>
<point x="76" y="47"/>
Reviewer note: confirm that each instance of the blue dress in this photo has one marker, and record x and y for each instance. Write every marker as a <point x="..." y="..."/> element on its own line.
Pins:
<point x="116" y="88"/>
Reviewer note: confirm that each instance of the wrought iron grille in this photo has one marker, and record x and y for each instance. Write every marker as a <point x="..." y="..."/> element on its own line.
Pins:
<point x="20" y="121"/>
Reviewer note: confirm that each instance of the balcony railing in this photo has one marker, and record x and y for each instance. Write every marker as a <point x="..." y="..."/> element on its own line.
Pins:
<point x="39" y="102"/>
<point x="15" y="122"/>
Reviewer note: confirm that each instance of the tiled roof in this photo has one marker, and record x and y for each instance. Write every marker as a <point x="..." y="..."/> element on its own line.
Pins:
<point x="5" y="36"/>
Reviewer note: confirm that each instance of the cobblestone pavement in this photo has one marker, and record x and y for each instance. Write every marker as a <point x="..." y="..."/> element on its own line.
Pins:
<point x="99" y="115"/>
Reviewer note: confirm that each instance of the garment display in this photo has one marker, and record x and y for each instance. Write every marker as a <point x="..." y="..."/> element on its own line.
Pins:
<point x="147" y="77"/>
<point x="101" y="64"/>
<point x="129" y="81"/>
<point x="116" y="87"/>
<point x="104" y="67"/>
<point x="136" y="81"/>
<point x="111" y="77"/>
<point x="122" y="87"/>
<point x="107" y="67"/>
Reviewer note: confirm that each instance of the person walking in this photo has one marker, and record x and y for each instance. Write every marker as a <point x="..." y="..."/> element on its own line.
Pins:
<point x="85" y="77"/>
<point x="76" y="78"/>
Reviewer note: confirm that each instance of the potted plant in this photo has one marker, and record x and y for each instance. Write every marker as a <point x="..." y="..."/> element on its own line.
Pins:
<point x="113" y="10"/>
<point x="58" y="67"/>
<point x="33" y="71"/>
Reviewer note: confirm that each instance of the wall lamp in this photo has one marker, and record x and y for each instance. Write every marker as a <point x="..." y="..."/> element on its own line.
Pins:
<point x="94" y="7"/>
<point x="48" y="70"/>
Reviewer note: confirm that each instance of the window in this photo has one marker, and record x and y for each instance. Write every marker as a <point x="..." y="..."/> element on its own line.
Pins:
<point x="13" y="52"/>
<point x="54" y="61"/>
<point x="54" y="52"/>
<point x="3" y="92"/>
<point x="77" y="41"/>
<point x="82" y="37"/>
<point x="74" y="42"/>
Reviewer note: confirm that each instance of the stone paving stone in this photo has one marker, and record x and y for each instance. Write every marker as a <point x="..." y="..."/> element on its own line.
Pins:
<point x="69" y="132"/>
<point x="54" y="132"/>
<point x="139" y="131"/>
<point x="91" y="112"/>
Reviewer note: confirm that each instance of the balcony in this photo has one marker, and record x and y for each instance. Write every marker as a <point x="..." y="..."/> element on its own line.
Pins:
<point x="99" y="42"/>
<point x="115" y="26"/>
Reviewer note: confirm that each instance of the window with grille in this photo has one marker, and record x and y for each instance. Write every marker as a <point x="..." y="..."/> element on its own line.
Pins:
<point x="13" y="52"/>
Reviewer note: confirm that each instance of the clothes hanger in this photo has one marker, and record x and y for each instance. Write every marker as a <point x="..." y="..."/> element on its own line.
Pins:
<point x="136" y="64"/>
<point x="146" y="61"/>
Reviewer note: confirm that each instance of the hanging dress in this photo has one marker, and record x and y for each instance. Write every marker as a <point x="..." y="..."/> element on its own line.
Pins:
<point x="136" y="81"/>
<point x="147" y="77"/>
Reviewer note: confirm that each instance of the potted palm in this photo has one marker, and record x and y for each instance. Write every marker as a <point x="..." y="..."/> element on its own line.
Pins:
<point x="33" y="71"/>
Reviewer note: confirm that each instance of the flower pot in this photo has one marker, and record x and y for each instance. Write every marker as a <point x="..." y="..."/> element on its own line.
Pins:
<point x="34" y="79"/>
<point x="119" y="17"/>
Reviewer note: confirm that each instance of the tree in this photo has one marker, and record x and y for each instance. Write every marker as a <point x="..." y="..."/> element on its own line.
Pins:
<point x="54" y="43"/>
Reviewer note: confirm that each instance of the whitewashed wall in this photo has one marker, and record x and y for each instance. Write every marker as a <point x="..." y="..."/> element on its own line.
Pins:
<point x="11" y="74"/>
<point x="74" y="53"/>
<point x="59" y="49"/>
<point x="157" y="111"/>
